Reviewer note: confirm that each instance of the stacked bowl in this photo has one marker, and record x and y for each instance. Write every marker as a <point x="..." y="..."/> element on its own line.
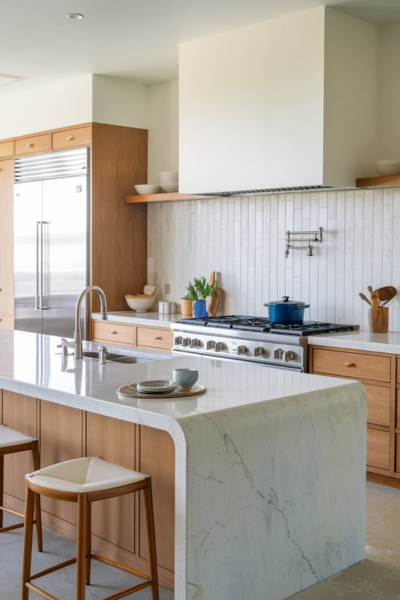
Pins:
<point x="169" y="181"/>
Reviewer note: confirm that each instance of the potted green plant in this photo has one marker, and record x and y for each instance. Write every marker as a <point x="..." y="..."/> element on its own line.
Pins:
<point x="197" y="293"/>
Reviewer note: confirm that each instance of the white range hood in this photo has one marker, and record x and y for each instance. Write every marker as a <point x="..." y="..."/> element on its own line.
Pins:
<point x="288" y="103"/>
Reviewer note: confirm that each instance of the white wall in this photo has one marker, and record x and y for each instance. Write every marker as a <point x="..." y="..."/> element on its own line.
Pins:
<point x="251" y="106"/>
<point x="120" y="101"/>
<point x="389" y="126"/>
<point x="352" y="53"/>
<point x="244" y="239"/>
<point x="163" y="128"/>
<point x="49" y="107"/>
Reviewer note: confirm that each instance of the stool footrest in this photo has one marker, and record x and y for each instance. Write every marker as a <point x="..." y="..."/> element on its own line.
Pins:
<point x="40" y="592"/>
<point x="66" y="563"/>
<point x="12" y="512"/>
<point x="132" y="590"/>
<point x="121" y="567"/>
<point x="10" y="527"/>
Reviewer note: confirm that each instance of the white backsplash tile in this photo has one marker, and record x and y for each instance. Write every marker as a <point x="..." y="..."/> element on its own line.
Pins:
<point x="243" y="238"/>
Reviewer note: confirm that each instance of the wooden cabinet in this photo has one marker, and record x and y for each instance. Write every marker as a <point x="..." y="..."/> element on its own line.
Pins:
<point x="21" y="413"/>
<point x="154" y="337"/>
<point x="377" y="371"/>
<point x="6" y="239"/>
<point x="137" y="336"/>
<point x="7" y="149"/>
<point x="34" y="144"/>
<point x="72" y="138"/>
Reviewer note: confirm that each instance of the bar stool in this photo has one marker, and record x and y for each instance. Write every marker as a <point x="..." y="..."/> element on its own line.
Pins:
<point x="12" y="441"/>
<point x="86" y="480"/>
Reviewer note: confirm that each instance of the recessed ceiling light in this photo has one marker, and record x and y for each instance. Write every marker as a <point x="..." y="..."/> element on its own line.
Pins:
<point x="77" y="16"/>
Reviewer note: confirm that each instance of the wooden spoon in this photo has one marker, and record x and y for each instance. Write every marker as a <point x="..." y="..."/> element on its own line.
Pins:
<point x="365" y="299"/>
<point x="374" y="297"/>
<point x="386" y="294"/>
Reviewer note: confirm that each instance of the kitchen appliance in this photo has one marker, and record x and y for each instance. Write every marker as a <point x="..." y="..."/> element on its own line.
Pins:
<point x="253" y="339"/>
<point x="51" y="210"/>
<point x="286" y="312"/>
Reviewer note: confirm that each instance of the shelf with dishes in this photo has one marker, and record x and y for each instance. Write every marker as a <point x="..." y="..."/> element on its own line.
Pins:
<point x="163" y="197"/>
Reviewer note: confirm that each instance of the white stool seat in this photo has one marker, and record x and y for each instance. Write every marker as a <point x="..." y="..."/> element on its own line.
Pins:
<point x="10" y="437"/>
<point x="84" y="475"/>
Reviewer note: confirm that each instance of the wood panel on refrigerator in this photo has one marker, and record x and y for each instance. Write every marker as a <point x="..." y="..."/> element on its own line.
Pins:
<point x="119" y="231"/>
<point x="6" y="237"/>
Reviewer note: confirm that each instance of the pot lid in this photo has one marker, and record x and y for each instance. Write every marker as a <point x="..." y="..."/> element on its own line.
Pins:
<point x="285" y="301"/>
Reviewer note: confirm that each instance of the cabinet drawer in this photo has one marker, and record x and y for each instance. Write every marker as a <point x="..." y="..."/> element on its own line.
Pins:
<point x="6" y="149"/>
<point x="114" y="332"/>
<point x="154" y="337"/>
<point x="6" y="322"/>
<point x="351" y="364"/>
<point x="71" y="138"/>
<point x="398" y="371"/>
<point x="35" y="143"/>
<point x="378" y="449"/>
<point x="378" y="404"/>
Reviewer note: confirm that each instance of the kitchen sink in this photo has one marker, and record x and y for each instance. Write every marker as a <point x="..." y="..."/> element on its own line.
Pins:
<point x="118" y="358"/>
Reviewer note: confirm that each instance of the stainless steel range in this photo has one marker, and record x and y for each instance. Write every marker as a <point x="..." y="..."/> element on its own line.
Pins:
<point x="250" y="339"/>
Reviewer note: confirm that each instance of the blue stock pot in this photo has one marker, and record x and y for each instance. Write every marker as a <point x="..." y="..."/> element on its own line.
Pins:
<point x="285" y="311"/>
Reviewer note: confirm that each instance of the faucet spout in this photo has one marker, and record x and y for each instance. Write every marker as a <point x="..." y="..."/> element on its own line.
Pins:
<point x="103" y="310"/>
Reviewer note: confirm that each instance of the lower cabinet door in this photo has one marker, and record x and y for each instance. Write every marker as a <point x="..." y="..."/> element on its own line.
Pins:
<point x="20" y="413"/>
<point x="157" y="458"/>
<point x="378" y="449"/>
<point x="114" y="440"/>
<point x="61" y="430"/>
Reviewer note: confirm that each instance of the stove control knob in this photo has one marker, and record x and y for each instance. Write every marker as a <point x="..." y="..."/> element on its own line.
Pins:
<point x="290" y="355"/>
<point x="210" y="345"/>
<point x="278" y="353"/>
<point x="220" y="346"/>
<point x="178" y="340"/>
<point x="242" y="350"/>
<point x="260" y="351"/>
<point x="186" y="342"/>
<point x="195" y="343"/>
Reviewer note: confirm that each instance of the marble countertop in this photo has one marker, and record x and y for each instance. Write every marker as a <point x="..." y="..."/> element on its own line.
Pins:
<point x="360" y="340"/>
<point x="32" y="364"/>
<point x="153" y="319"/>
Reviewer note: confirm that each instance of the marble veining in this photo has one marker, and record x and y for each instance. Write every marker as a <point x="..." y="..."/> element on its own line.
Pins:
<point x="269" y="463"/>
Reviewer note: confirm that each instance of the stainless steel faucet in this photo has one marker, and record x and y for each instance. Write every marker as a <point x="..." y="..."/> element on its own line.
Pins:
<point x="77" y="343"/>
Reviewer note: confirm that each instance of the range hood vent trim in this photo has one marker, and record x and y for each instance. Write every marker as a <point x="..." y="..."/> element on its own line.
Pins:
<point x="281" y="190"/>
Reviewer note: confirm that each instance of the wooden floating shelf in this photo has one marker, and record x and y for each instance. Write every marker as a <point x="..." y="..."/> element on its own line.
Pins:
<point x="148" y="198"/>
<point x="373" y="182"/>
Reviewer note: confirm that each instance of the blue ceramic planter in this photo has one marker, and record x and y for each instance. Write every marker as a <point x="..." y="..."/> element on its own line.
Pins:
<point x="199" y="309"/>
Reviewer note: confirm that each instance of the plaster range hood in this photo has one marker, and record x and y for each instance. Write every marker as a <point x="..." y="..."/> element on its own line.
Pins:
<point x="288" y="105"/>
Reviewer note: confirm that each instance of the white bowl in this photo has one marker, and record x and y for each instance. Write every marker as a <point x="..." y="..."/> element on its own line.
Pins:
<point x="147" y="189"/>
<point x="169" y="187"/>
<point x="387" y="167"/>
<point x="144" y="301"/>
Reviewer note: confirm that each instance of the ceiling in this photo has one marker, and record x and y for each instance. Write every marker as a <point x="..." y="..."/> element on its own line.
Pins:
<point x="137" y="39"/>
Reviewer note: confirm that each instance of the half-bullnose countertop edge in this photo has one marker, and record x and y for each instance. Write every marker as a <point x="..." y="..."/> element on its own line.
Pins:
<point x="359" y="340"/>
<point x="130" y="317"/>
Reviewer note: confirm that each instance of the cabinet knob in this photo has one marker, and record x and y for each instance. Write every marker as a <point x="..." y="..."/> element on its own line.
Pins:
<point x="30" y="144"/>
<point x="349" y="364"/>
<point x="1" y="168"/>
<point x="113" y="332"/>
<point x="70" y="137"/>
<point x="1" y="289"/>
<point x="157" y="337"/>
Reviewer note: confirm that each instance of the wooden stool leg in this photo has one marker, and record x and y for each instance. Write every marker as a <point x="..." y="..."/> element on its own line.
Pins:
<point x="81" y="547"/>
<point x="88" y="541"/>
<point x="1" y="488"/>
<point x="28" y="535"/>
<point x="151" y="539"/>
<point x="38" y="512"/>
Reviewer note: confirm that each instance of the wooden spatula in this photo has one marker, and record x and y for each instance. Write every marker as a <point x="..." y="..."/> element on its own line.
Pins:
<point x="374" y="297"/>
<point x="365" y="299"/>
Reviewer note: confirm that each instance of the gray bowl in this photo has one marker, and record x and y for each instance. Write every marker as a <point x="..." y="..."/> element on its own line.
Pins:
<point x="185" y="378"/>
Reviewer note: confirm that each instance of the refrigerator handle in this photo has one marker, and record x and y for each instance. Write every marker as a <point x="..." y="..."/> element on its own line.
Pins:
<point x="43" y="263"/>
<point x="38" y="277"/>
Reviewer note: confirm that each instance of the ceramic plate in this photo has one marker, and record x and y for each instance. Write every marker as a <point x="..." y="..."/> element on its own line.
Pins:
<point x="158" y="386"/>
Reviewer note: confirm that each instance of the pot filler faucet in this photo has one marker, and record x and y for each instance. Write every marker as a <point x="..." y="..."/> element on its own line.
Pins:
<point x="77" y="343"/>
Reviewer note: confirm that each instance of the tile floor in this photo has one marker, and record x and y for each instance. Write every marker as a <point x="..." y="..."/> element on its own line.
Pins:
<point x="375" y="578"/>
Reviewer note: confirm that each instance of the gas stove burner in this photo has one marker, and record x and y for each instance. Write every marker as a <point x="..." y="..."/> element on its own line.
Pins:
<point x="263" y="325"/>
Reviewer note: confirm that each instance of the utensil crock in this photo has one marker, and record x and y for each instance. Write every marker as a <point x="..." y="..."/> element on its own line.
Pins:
<point x="378" y="320"/>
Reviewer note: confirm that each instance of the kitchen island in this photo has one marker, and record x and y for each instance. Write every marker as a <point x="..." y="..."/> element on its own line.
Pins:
<point x="269" y="464"/>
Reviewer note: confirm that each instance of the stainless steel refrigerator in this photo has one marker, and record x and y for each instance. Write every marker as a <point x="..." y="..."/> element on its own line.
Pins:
<point x="51" y="240"/>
